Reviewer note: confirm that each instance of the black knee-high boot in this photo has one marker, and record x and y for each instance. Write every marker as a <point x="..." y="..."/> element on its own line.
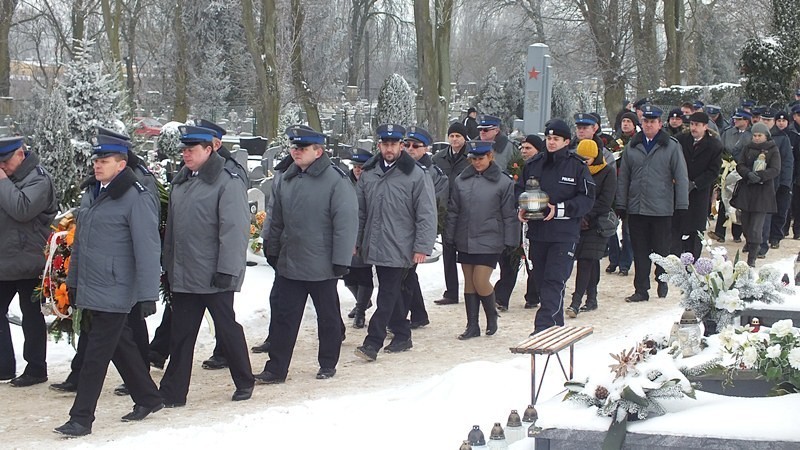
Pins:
<point x="472" y="305"/>
<point x="490" y="309"/>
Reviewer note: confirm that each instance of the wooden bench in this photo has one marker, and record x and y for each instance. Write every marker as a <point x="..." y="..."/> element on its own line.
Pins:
<point x="549" y="342"/>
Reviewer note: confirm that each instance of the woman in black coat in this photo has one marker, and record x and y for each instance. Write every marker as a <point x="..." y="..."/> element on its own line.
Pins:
<point x="592" y="246"/>
<point x="758" y="164"/>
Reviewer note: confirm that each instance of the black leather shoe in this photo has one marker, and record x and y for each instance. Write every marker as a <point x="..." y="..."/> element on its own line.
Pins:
<point x="397" y="347"/>
<point x="170" y="405"/>
<point x="637" y="297"/>
<point x="662" y="290"/>
<point x="140" y="412"/>
<point x="759" y="256"/>
<point x="775" y="244"/>
<point x="446" y="301"/>
<point x="121" y="390"/>
<point x="267" y="377"/>
<point x="242" y="394"/>
<point x="623" y="272"/>
<point x="501" y="308"/>
<point x="26" y="380"/>
<point x="215" y="363"/>
<point x="419" y="323"/>
<point x="367" y="352"/>
<point x="66" y="386"/>
<point x="324" y="374"/>
<point x="531" y="305"/>
<point x="587" y="308"/>
<point x="73" y="429"/>
<point x="260" y="348"/>
<point x="157" y="360"/>
<point x="571" y="312"/>
<point x="611" y="268"/>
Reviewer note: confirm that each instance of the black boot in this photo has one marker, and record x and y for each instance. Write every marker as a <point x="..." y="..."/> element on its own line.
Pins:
<point x="752" y="254"/>
<point x="354" y="289"/>
<point x="363" y="302"/>
<point x="490" y="309"/>
<point x="472" y="303"/>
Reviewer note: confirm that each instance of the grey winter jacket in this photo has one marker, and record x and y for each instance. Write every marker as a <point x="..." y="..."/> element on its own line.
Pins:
<point x="27" y="207"/>
<point x="734" y="141"/>
<point x="207" y="228"/>
<point x="504" y="152"/>
<point x="314" y="221"/>
<point x="115" y="255"/>
<point x="396" y="212"/>
<point x="482" y="213"/>
<point x="656" y="183"/>
<point x="441" y="185"/>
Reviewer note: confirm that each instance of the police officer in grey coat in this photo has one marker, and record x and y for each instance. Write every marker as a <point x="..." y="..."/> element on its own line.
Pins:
<point x="205" y="246"/>
<point x="396" y="229"/>
<point x="27" y="207"/>
<point x="312" y="234"/>
<point x="114" y="265"/>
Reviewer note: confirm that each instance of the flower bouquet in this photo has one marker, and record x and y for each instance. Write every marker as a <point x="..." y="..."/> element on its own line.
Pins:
<point x="716" y="288"/>
<point x="256" y="226"/>
<point x="774" y="354"/>
<point x="640" y="377"/>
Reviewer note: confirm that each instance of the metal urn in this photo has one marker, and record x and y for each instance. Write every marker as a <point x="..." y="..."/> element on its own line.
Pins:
<point x="497" y="438"/>
<point x="689" y="334"/>
<point x="514" y="430"/>
<point x="465" y="446"/>
<point x="475" y="436"/>
<point x="534" y="200"/>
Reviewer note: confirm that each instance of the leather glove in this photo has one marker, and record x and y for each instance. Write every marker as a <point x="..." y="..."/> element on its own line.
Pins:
<point x="584" y="224"/>
<point x="621" y="213"/>
<point x="147" y="309"/>
<point x="222" y="280"/>
<point x="340" y="271"/>
<point x="272" y="260"/>
<point x="72" y="294"/>
<point x="753" y="178"/>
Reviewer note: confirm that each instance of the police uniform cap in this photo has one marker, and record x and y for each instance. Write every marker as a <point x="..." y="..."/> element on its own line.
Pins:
<point x="106" y="132"/>
<point x="742" y="114"/>
<point x="104" y="146"/>
<point x="557" y="127"/>
<point x="748" y="103"/>
<point x="192" y="135"/>
<point x="675" y="112"/>
<point x="360" y="156"/>
<point x="302" y="135"/>
<point x="797" y="92"/>
<point x="584" y="119"/>
<point x="758" y="110"/>
<point x="218" y="130"/>
<point x="478" y="148"/>
<point x="652" y="112"/>
<point x="488" y="121"/>
<point x="641" y="102"/>
<point x="782" y="115"/>
<point x="769" y="113"/>
<point x="390" y="132"/>
<point x="8" y="145"/>
<point x="698" y="104"/>
<point x="796" y="109"/>
<point x="699" y="117"/>
<point x="712" y="109"/>
<point x="419" y="134"/>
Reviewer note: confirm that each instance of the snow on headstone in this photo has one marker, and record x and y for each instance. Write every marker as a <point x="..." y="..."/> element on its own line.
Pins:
<point x="256" y="199"/>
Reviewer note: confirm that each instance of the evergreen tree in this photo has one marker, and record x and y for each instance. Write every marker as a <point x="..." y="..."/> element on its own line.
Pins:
<point x="492" y="99"/>
<point x="396" y="102"/>
<point x="168" y="141"/>
<point x="562" y="104"/>
<point x="211" y="84"/>
<point x="51" y="141"/>
<point x="514" y="90"/>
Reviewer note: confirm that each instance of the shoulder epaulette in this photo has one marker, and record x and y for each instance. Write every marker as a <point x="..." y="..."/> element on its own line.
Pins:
<point x="40" y="170"/>
<point x="339" y="169"/>
<point x="144" y="169"/>
<point x="674" y="139"/>
<point x="438" y="169"/>
<point x="507" y="174"/>
<point x="421" y="166"/>
<point x="232" y="173"/>
<point x="139" y="186"/>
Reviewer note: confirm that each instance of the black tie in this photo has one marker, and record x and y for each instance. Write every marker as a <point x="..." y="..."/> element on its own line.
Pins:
<point x="103" y="189"/>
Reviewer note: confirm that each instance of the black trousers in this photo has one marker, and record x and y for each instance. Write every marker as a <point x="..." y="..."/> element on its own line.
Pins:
<point x="358" y="276"/>
<point x="552" y="266"/>
<point x="417" y="304"/>
<point x="34" y="350"/>
<point x="719" y="228"/>
<point x="795" y="209"/>
<point x="287" y="314"/>
<point x="784" y="199"/>
<point x="111" y="337"/>
<point x="692" y="244"/>
<point x="753" y="227"/>
<point x="587" y="276"/>
<point x="392" y="307"/>
<point x="188" y="312"/>
<point x="509" y="268"/>
<point x="139" y="335"/>
<point x="649" y="234"/>
<point x="161" y="339"/>
<point x="531" y="289"/>
<point x="450" y="272"/>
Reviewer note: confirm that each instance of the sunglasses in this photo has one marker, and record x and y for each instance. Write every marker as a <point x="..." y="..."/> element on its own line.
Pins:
<point x="413" y="144"/>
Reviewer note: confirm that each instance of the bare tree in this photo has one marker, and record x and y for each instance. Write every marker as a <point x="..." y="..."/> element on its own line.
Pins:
<point x="7" y="8"/>
<point x="301" y="87"/>
<point x="180" y="109"/>
<point x="261" y="43"/>
<point x="673" y="30"/>
<point x="645" y="46"/>
<point x="433" y="61"/>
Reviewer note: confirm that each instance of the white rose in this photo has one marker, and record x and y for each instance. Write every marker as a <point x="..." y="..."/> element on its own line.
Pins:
<point x="794" y="358"/>
<point x="782" y="328"/>
<point x="774" y="351"/>
<point x="749" y="357"/>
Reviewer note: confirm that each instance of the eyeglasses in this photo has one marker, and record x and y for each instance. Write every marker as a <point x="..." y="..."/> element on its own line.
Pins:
<point x="414" y="144"/>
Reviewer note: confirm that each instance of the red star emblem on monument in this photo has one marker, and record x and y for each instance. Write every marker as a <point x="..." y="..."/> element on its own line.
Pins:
<point x="533" y="74"/>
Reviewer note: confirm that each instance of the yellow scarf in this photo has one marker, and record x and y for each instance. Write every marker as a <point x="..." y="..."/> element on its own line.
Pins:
<point x="594" y="168"/>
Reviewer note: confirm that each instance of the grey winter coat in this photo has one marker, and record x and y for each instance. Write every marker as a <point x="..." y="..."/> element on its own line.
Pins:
<point x="27" y="207"/>
<point x="441" y="186"/>
<point x="482" y="214"/>
<point x="314" y="221"/>
<point x="656" y="183"/>
<point x="115" y="255"/>
<point x="207" y="228"/>
<point x="234" y="166"/>
<point x="396" y="212"/>
<point x="733" y="141"/>
<point x="504" y="152"/>
<point x="145" y="177"/>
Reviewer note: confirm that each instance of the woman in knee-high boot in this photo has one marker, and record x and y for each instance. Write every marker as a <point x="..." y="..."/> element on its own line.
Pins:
<point x="481" y="221"/>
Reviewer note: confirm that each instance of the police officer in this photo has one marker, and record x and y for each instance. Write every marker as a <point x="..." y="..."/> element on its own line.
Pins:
<point x="27" y="207"/>
<point x="652" y="186"/>
<point x="396" y="230"/>
<point x="312" y="235"/>
<point x="114" y="264"/>
<point x="675" y="124"/>
<point x="481" y="223"/>
<point x="359" y="276"/>
<point x="136" y="318"/>
<point x="564" y="177"/>
<point x="417" y="144"/>
<point x="205" y="246"/>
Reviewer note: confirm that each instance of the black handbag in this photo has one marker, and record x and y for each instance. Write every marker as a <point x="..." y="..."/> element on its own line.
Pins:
<point x="607" y="224"/>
